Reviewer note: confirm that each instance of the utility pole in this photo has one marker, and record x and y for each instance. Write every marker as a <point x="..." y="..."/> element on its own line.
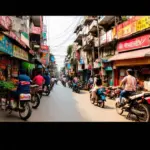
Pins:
<point x="98" y="33"/>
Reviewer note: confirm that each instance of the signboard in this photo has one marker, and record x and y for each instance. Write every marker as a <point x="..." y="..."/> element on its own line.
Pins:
<point x="36" y="30"/>
<point x="109" y="36"/>
<point x="5" y="45"/>
<point x="44" y="47"/>
<point x="20" y="53"/>
<point x="114" y="33"/>
<point x="126" y="28"/>
<point x="45" y="58"/>
<point x="119" y="31"/>
<point x="25" y="38"/>
<point x="143" y="23"/>
<point x="15" y="37"/>
<point x="5" y="22"/>
<point x="135" y="43"/>
<point x="103" y="39"/>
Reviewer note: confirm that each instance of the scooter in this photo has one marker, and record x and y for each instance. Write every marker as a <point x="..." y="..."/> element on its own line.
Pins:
<point x="21" y="105"/>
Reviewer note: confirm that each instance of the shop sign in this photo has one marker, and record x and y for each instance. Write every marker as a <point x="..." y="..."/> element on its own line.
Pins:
<point x="119" y="31"/>
<point x="45" y="58"/>
<point x="5" y="22"/>
<point x="103" y="39"/>
<point x="126" y="28"/>
<point x="114" y="33"/>
<point x="143" y="23"/>
<point x="109" y="36"/>
<point x="15" y="37"/>
<point x="135" y="43"/>
<point x="44" y="47"/>
<point x="20" y="53"/>
<point x="5" y="45"/>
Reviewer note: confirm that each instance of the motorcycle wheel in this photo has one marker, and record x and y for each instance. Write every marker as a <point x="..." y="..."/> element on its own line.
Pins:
<point x="119" y="110"/>
<point x="146" y="117"/>
<point x="101" y="104"/>
<point x="26" y="107"/>
<point x="36" y="101"/>
<point x="48" y="92"/>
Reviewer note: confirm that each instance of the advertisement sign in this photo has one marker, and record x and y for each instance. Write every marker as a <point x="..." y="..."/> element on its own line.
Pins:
<point x="36" y="30"/>
<point x="114" y="33"/>
<point x="44" y="47"/>
<point x="45" y="58"/>
<point x="20" y="53"/>
<point x="5" y="45"/>
<point x="103" y="39"/>
<point x="109" y="36"/>
<point x="5" y="22"/>
<point x="143" y="23"/>
<point x="15" y="37"/>
<point x="126" y="28"/>
<point x="135" y="43"/>
<point x="119" y="31"/>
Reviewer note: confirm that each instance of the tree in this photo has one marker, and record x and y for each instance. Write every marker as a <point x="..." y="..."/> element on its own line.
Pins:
<point x="69" y="50"/>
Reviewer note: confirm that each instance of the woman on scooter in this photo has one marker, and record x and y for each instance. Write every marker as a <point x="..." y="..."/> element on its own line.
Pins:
<point x="98" y="85"/>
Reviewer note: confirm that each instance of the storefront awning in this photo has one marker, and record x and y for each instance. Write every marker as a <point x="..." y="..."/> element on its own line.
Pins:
<point x="130" y="55"/>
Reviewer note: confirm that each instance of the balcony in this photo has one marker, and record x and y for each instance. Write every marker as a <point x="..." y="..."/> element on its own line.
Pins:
<point x="106" y="20"/>
<point x="79" y="37"/>
<point x="36" y="21"/>
<point x="86" y="30"/>
<point x="89" y="19"/>
<point x="93" y="26"/>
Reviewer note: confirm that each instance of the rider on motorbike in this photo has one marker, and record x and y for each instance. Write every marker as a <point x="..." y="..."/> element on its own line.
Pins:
<point x="47" y="80"/>
<point x="130" y="85"/>
<point x="98" y="85"/>
<point x="23" y="86"/>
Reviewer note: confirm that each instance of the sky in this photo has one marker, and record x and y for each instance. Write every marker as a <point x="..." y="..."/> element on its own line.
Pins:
<point x="60" y="34"/>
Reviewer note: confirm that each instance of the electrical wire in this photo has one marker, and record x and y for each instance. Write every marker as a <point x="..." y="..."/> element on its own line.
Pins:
<point x="70" y="35"/>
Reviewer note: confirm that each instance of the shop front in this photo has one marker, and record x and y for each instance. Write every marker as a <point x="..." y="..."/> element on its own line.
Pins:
<point x="6" y="51"/>
<point x="134" y="54"/>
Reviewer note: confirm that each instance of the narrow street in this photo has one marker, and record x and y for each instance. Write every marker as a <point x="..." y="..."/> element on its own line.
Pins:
<point x="64" y="105"/>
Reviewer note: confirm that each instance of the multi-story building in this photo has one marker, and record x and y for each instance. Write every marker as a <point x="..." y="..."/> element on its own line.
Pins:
<point x="20" y="39"/>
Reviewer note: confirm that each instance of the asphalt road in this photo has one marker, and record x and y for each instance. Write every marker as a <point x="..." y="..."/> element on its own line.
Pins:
<point x="62" y="105"/>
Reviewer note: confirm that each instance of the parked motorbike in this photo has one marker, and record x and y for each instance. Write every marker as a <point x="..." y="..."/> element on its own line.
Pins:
<point x="115" y="92"/>
<point x="76" y="88"/>
<point x="35" y="97"/>
<point x="137" y="106"/>
<point x="101" y="98"/>
<point x="21" y="105"/>
<point x="70" y="84"/>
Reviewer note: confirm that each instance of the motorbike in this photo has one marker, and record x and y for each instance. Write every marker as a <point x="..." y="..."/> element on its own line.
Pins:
<point x="47" y="90"/>
<point x="115" y="92"/>
<point x="35" y="96"/>
<point x="137" y="106"/>
<point x="21" y="105"/>
<point x="101" y="97"/>
<point x="70" y="84"/>
<point x="111" y="92"/>
<point x="63" y="83"/>
<point x="76" y="88"/>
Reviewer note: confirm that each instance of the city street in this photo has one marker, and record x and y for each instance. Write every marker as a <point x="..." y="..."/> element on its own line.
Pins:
<point x="64" y="105"/>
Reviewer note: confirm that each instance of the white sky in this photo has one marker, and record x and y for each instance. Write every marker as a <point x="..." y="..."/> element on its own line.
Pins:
<point x="60" y="34"/>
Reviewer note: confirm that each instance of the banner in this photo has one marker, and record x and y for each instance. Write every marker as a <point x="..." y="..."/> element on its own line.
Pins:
<point x="135" y="43"/>
<point x="126" y="28"/>
<point x="5" y="45"/>
<point x="25" y="38"/>
<point x="119" y="31"/>
<point x="143" y="23"/>
<point x="114" y="33"/>
<point x="20" y="53"/>
<point x="5" y="22"/>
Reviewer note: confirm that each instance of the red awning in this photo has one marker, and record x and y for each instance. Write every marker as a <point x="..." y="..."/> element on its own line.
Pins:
<point x="130" y="55"/>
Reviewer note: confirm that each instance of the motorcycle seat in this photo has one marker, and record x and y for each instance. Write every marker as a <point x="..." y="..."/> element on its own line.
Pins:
<point x="132" y="97"/>
<point x="33" y="86"/>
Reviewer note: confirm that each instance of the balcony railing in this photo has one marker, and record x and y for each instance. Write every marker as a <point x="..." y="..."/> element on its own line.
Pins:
<point x="105" y="19"/>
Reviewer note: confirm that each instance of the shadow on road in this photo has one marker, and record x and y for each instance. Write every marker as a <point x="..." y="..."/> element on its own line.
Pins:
<point x="108" y="107"/>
